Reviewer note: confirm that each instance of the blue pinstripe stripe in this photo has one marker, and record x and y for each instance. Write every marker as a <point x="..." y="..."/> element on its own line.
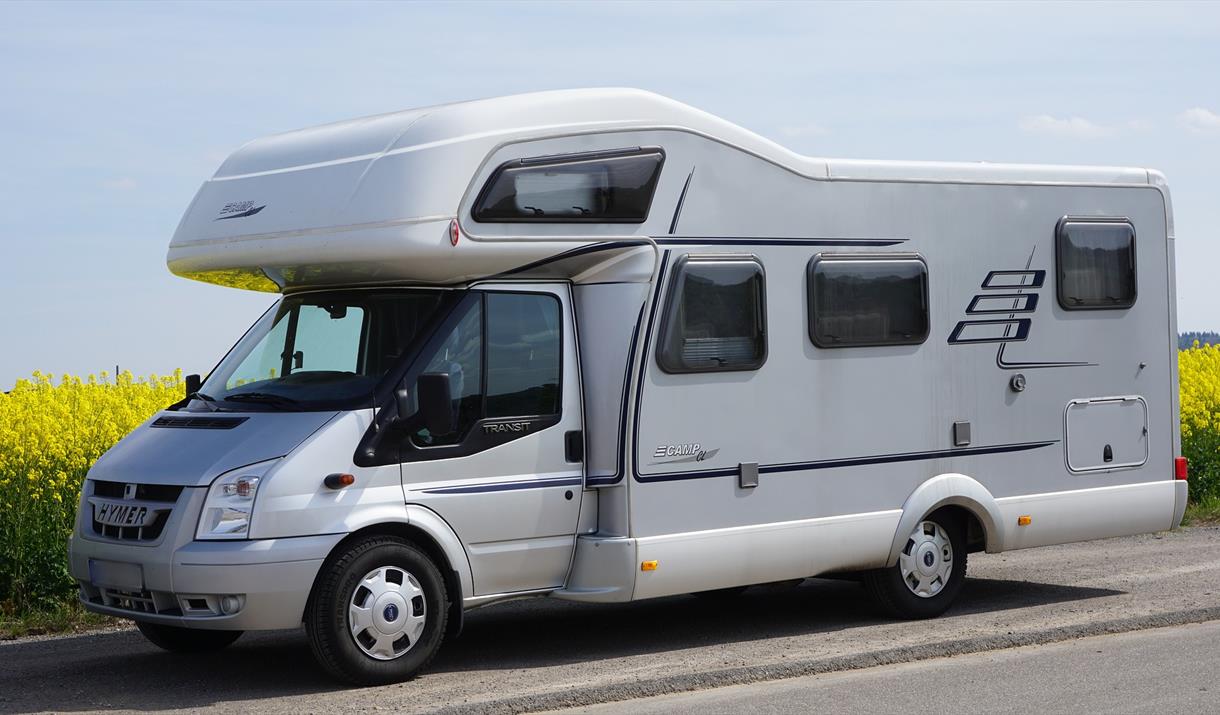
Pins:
<point x="505" y="486"/>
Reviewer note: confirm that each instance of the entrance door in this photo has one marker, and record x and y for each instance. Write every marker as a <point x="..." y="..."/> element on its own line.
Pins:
<point x="503" y="479"/>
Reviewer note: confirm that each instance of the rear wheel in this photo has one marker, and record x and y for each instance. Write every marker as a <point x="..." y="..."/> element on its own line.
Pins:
<point x="930" y="570"/>
<point x="186" y="640"/>
<point x="378" y="612"/>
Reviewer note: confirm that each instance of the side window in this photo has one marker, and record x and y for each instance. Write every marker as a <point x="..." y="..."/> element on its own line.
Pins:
<point x="715" y="317"/>
<point x="595" y="187"/>
<point x="461" y="358"/>
<point x="523" y="351"/>
<point x="1096" y="264"/>
<point x="503" y="359"/>
<point x="867" y="300"/>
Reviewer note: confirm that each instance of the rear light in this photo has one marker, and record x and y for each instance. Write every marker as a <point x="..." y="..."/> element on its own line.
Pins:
<point x="1179" y="468"/>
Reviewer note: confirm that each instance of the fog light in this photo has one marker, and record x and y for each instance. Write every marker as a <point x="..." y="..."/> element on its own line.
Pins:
<point x="230" y="604"/>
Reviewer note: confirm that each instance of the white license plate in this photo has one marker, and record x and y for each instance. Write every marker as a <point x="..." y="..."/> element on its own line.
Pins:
<point x="125" y="514"/>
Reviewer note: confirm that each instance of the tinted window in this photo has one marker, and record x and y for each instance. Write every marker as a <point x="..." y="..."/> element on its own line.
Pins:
<point x="461" y="358"/>
<point x="506" y="367"/>
<point x="523" y="344"/>
<point x="855" y="301"/>
<point x="599" y="187"/>
<point x="1096" y="264"/>
<point x="715" y="318"/>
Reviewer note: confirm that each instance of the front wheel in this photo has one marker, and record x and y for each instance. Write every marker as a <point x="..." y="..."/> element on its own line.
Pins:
<point x="186" y="640"/>
<point x="929" y="574"/>
<point x="378" y="612"/>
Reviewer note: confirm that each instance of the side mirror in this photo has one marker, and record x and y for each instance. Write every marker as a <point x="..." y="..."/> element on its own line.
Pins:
<point x="193" y="383"/>
<point x="435" y="402"/>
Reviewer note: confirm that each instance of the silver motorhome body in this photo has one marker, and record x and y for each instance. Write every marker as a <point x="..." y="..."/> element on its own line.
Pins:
<point x="754" y="366"/>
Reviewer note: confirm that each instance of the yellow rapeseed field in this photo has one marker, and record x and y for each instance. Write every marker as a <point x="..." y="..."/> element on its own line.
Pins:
<point x="52" y="430"/>
<point x="1199" y="374"/>
<point x="1199" y="378"/>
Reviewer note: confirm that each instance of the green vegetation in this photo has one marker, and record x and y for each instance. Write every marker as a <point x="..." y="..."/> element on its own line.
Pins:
<point x="64" y="617"/>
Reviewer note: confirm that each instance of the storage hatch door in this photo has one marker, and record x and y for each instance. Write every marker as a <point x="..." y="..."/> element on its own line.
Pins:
<point x="1106" y="433"/>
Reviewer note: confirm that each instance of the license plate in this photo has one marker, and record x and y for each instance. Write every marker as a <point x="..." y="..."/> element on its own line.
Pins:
<point x="126" y="514"/>
<point x="115" y="574"/>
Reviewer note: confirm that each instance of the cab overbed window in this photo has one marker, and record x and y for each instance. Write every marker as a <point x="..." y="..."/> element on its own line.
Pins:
<point x="855" y="302"/>
<point x="1096" y="264"/>
<point x="597" y="187"/>
<point x="715" y="319"/>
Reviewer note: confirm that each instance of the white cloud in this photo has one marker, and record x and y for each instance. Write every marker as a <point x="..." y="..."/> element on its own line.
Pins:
<point x="1068" y="127"/>
<point x="1200" y="121"/>
<point x="125" y="183"/>
<point x="805" y="130"/>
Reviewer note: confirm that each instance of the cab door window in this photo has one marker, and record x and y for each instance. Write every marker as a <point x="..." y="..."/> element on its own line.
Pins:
<point x="503" y="360"/>
<point x="523" y="344"/>
<point x="461" y="358"/>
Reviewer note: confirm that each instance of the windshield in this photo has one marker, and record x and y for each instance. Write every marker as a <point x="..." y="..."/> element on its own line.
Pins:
<point x="320" y="351"/>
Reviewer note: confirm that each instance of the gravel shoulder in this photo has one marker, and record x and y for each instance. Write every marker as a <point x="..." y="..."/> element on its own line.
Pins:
<point x="543" y="654"/>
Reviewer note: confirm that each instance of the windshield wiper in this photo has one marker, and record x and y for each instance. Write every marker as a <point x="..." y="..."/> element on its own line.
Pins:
<point x="264" y="397"/>
<point x="206" y="399"/>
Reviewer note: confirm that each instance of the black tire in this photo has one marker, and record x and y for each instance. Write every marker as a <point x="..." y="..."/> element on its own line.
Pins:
<point x="186" y="640"/>
<point x="889" y="587"/>
<point x="326" y="617"/>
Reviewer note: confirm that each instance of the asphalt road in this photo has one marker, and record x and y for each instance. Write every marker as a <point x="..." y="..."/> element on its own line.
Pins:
<point x="1157" y="671"/>
<point x="542" y="654"/>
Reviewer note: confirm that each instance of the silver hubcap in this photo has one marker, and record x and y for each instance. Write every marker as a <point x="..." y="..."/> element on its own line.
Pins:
<point x="387" y="613"/>
<point x="927" y="560"/>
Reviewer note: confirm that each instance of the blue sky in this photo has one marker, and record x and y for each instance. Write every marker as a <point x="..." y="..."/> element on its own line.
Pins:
<point x="112" y="115"/>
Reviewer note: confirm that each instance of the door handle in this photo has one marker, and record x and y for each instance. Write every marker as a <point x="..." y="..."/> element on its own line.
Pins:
<point x="574" y="446"/>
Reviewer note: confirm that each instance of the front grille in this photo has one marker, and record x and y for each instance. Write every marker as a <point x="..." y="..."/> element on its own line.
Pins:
<point x="199" y="422"/>
<point x="152" y="532"/>
<point x="140" y="601"/>
<point x="159" y="498"/>
<point x="158" y="602"/>
<point x="144" y="492"/>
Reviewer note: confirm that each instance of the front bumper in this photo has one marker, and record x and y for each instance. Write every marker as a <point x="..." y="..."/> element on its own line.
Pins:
<point x="181" y="582"/>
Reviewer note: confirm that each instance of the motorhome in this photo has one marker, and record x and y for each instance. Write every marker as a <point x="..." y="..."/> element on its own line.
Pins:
<point x="598" y="345"/>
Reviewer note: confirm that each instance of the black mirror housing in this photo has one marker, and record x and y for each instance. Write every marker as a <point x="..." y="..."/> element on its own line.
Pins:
<point x="193" y="383"/>
<point x="435" y="398"/>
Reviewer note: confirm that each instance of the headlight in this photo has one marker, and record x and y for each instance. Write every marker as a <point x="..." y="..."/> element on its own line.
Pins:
<point x="230" y="504"/>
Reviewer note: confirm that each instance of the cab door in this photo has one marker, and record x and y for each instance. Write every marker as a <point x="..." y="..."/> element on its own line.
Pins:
<point x="504" y="478"/>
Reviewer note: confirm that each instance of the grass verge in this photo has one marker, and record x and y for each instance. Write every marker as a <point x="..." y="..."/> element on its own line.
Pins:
<point x="64" y="618"/>
<point x="1206" y="512"/>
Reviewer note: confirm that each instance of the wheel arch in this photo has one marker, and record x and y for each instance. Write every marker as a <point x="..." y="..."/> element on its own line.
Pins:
<point x="959" y="493"/>
<point x="431" y="533"/>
